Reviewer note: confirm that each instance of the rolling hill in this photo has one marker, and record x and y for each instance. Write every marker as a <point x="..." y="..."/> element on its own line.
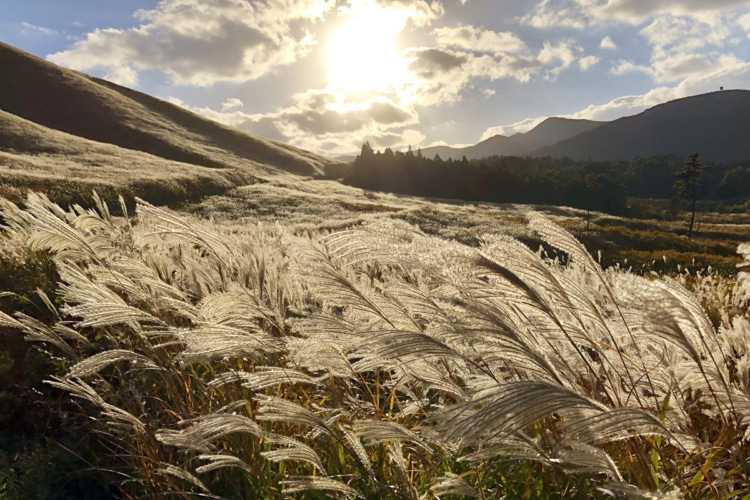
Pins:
<point x="94" y="109"/>
<point x="67" y="168"/>
<point x="716" y="125"/>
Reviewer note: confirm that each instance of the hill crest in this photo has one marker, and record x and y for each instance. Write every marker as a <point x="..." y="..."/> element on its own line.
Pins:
<point x="715" y="124"/>
<point x="98" y="110"/>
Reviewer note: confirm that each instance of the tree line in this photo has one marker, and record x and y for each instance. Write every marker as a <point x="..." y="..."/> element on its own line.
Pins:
<point x="590" y="185"/>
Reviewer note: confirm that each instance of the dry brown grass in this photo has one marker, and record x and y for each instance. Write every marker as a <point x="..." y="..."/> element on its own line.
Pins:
<point x="252" y="361"/>
<point x="312" y="205"/>
<point x="67" y="168"/>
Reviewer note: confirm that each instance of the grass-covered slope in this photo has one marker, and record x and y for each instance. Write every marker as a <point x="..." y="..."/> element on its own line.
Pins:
<point x="80" y="105"/>
<point x="68" y="168"/>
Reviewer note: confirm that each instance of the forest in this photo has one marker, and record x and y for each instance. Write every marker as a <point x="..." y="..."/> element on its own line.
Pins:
<point x="588" y="185"/>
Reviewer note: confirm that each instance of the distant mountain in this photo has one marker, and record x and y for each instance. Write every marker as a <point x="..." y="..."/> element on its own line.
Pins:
<point x="496" y="145"/>
<point x="547" y="133"/>
<point x="94" y="109"/>
<point x="716" y="125"/>
<point x="346" y="158"/>
<point x="553" y="130"/>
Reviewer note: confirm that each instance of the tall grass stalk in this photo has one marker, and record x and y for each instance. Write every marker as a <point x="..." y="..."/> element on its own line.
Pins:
<point x="380" y="362"/>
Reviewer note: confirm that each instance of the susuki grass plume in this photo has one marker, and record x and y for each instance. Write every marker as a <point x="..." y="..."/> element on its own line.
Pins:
<point x="381" y="362"/>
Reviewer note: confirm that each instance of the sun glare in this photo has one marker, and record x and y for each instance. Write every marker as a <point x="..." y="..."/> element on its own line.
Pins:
<point x="362" y="54"/>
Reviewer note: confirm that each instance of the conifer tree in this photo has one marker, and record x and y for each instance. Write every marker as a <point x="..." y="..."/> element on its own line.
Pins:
<point x="367" y="150"/>
<point x="687" y="184"/>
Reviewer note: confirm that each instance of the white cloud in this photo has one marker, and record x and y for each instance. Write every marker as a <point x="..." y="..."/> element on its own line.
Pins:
<point x="29" y="29"/>
<point x="441" y="75"/>
<point x="638" y="11"/>
<point x="744" y="23"/>
<point x="626" y="66"/>
<point x="578" y="14"/>
<point x="549" y="14"/>
<point x="587" y="62"/>
<point x="231" y="103"/>
<point x="683" y="33"/>
<point x="479" y="40"/>
<point x="420" y="12"/>
<point x="683" y="46"/>
<point x="325" y="122"/>
<point x="200" y="42"/>
<point x="322" y="113"/>
<point x="550" y="54"/>
<point x="607" y="43"/>
<point x="680" y="66"/>
<point x="516" y="128"/>
<point x="123" y="75"/>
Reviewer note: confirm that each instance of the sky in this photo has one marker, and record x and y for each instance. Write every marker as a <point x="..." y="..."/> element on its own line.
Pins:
<point x="328" y="75"/>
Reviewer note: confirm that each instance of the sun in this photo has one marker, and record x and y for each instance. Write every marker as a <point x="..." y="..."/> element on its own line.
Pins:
<point x="362" y="54"/>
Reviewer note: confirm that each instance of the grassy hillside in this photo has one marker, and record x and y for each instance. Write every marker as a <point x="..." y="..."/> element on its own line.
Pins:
<point x="71" y="102"/>
<point x="68" y="168"/>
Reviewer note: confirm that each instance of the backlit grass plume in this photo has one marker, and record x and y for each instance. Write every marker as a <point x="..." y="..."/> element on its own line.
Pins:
<point x="381" y="362"/>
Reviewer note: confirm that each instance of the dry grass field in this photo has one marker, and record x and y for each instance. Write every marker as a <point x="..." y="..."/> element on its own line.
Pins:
<point x="255" y="356"/>
<point x="642" y="245"/>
